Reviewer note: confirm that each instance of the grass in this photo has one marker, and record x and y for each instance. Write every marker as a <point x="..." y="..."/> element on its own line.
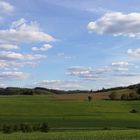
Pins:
<point x="80" y="135"/>
<point x="71" y="119"/>
<point x="69" y="114"/>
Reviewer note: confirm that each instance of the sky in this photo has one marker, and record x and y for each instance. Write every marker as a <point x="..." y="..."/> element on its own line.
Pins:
<point x="69" y="44"/>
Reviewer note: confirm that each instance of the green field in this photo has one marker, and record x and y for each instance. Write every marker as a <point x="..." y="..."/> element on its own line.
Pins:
<point x="64" y="116"/>
<point x="81" y="135"/>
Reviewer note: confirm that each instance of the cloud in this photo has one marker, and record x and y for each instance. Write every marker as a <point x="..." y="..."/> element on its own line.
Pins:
<point x="79" y="70"/>
<point x="18" y="23"/>
<point x="20" y="32"/>
<point x="59" y="84"/>
<point x="8" y="75"/>
<point x="117" y="23"/>
<point x="45" y="47"/>
<point x="2" y="85"/>
<point x="33" y="56"/>
<point x="23" y="32"/>
<point x="115" y="73"/>
<point x="8" y="55"/>
<point x="127" y="74"/>
<point x="98" y="74"/>
<point x="120" y="69"/>
<point x="3" y="65"/>
<point x="134" y="52"/>
<point x="13" y="60"/>
<point x="87" y="73"/>
<point x="120" y="63"/>
<point x="14" y="65"/>
<point x="8" y="46"/>
<point x="90" y="77"/>
<point x="6" y="7"/>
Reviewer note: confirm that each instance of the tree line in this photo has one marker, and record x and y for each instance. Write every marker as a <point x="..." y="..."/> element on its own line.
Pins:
<point x="124" y="96"/>
<point x="24" y="127"/>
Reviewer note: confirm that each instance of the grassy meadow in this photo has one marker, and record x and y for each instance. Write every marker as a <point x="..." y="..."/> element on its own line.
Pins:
<point x="71" y="119"/>
<point x="80" y="135"/>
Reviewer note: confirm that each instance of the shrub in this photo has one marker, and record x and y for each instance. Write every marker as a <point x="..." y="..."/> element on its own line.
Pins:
<point x="44" y="127"/>
<point x="106" y="128"/>
<point x="16" y="128"/>
<point x="133" y="111"/>
<point x="7" y="129"/>
<point x="36" y="127"/>
<point x="26" y="128"/>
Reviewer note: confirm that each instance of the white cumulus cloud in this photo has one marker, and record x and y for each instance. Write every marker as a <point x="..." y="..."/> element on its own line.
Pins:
<point x="120" y="63"/>
<point x="8" y="46"/>
<point x="45" y="47"/>
<point x="14" y="64"/>
<point x="9" y="75"/>
<point x="127" y="74"/>
<point x="117" y="23"/>
<point x="8" y="55"/>
<point x="6" y="7"/>
<point x="120" y="69"/>
<point x="87" y="73"/>
<point x="134" y="52"/>
<point x="21" y="31"/>
<point x="79" y="70"/>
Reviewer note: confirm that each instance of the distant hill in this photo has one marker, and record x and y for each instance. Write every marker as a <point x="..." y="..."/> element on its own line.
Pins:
<point x="45" y="91"/>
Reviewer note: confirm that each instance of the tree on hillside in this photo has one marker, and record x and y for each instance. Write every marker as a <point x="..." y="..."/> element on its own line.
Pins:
<point x="124" y="97"/>
<point x="28" y="92"/>
<point x="138" y="90"/>
<point x="133" y="95"/>
<point x="113" y="96"/>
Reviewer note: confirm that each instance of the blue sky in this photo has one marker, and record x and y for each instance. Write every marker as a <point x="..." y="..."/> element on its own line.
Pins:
<point x="69" y="44"/>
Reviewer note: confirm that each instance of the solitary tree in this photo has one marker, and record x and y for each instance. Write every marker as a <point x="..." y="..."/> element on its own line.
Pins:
<point x="89" y="98"/>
